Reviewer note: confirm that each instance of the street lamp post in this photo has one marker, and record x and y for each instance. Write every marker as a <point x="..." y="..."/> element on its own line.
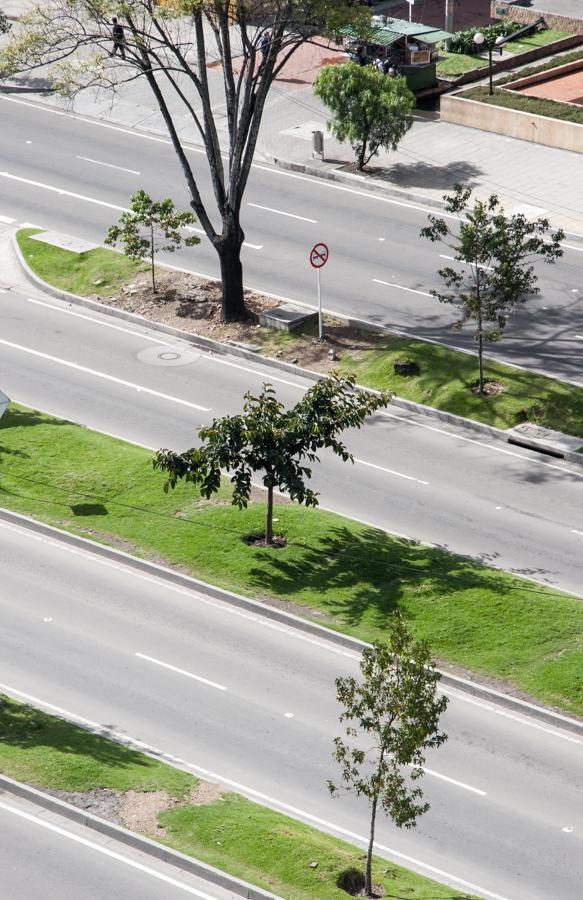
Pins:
<point x="479" y="39"/>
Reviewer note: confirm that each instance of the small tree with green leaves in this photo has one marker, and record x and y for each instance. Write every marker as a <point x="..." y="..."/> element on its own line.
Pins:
<point x="150" y="227"/>
<point x="273" y="443"/>
<point x="397" y="707"/>
<point x="369" y="109"/>
<point x="495" y="254"/>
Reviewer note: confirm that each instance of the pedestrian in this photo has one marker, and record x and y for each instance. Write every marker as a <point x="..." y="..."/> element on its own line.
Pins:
<point x="118" y="41"/>
<point x="264" y="45"/>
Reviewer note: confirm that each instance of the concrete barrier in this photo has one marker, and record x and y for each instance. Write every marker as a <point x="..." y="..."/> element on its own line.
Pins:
<point x="512" y="122"/>
<point x="506" y="9"/>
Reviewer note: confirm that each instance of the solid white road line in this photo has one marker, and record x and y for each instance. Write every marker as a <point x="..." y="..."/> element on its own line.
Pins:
<point x="158" y="662"/>
<point x="280" y="212"/>
<point x="105" y="376"/>
<point x="7" y="220"/>
<point x="402" y="287"/>
<point x="571" y="247"/>
<point x="132" y="863"/>
<point x="370" y="465"/>
<point x="574" y="531"/>
<point x="70" y="312"/>
<point x="251" y="793"/>
<point x="461" y="784"/>
<point x="108" y="165"/>
<point x="272" y="170"/>
<point x="64" y="193"/>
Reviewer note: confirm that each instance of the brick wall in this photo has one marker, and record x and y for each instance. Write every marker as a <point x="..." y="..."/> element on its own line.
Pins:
<point x="503" y="9"/>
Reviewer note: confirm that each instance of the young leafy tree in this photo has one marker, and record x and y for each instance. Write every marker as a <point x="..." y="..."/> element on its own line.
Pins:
<point x="196" y="56"/>
<point x="150" y="227"/>
<point x="495" y="254"/>
<point x="395" y="706"/>
<point x="273" y="443"/>
<point x="370" y="109"/>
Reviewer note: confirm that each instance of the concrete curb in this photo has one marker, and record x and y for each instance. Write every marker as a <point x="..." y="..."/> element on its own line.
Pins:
<point x="7" y="88"/>
<point x="137" y="841"/>
<point x="232" y="350"/>
<point x="306" y="626"/>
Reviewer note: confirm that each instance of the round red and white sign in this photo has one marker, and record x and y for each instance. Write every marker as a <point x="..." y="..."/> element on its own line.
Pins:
<point x="319" y="255"/>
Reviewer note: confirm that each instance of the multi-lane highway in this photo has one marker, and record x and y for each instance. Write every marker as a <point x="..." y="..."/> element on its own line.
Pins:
<point x="74" y="174"/>
<point x="44" y="855"/>
<point x="253" y="703"/>
<point x="506" y="505"/>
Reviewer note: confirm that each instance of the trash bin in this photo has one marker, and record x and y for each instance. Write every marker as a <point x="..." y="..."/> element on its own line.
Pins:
<point x="317" y="144"/>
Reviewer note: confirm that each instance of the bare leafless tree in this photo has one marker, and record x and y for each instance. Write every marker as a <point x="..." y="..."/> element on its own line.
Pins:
<point x="170" y="44"/>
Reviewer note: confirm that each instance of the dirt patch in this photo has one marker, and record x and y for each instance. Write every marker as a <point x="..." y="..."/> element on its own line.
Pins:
<point x="258" y="540"/>
<point x="139" y="811"/>
<point x="491" y="388"/>
<point x="193" y="304"/>
<point x="102" y="802"/>
<point x="205" y="792"/>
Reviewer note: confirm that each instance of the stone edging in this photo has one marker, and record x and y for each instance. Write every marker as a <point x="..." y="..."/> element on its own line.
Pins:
<point x="464" y="685"/>
<point x="137" y="841"/>
<point x="225" y="349"/>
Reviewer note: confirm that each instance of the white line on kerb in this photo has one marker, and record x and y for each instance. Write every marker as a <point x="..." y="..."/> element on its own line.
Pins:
<point x="98" y="162"/>
<point x="280" y="212"/>
<point x="7" y="220"/>
<point x="370" y="465"/>
<point x="158" y="662"/>
<point x="105" y="376"/>
<point x="251" y="793"/>
<point x="401" y="287"/>
<point x="37" y="820"/>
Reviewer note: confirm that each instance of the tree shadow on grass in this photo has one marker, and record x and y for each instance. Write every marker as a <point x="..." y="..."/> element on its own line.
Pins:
<point x="375" y="570"/>
<point x="26" y="728"/>
<point x="24" y="418"/>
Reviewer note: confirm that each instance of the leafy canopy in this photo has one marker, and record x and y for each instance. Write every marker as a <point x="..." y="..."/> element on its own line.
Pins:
<point x="371" y="110"/>
<point x="278" y="443"/>
<point x="151" y="226"/>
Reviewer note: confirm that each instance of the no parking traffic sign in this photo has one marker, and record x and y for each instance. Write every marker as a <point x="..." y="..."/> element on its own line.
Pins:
<point x="319" y="255"/>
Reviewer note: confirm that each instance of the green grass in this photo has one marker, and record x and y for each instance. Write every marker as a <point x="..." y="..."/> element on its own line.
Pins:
<point x="49" y="752"/>
<point x="444" y="379"/>
<point x="445" y="374"/>
<point x="274" y="852"/>
<point x="536" y="106"/>
<point x="450" y="65"/>
<point x="357" y="576"/>
<point x="538" y="39"/>
<point x="77" y="272"/>
<point x="542" y="67"/>
<point x="240" y="837"/>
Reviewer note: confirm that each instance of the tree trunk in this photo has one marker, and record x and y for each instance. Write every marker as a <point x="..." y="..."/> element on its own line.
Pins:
<point x="361" y="156"/>
<point x="229" y="249"/>
<point x="480" y="347"/>
<point x="152" y="258"/>
<point x="368" y="872"/>
<point x="269" y="516"/>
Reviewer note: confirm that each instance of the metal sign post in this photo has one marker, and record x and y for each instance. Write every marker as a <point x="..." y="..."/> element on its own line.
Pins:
<point x="319" y="257"/>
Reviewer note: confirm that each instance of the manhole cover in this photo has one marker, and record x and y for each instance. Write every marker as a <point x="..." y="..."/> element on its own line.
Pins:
<point x="163" y="356"/>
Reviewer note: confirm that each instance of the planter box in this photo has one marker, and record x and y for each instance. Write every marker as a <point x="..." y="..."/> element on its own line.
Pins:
<point x="513" y="123"/>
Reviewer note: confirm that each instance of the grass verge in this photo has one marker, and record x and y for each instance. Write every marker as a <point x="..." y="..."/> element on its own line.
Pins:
<point x="348" y="575"/>
<point x="536" y="106"/>
<point x="450" y="65"/>
<point x="233" y="834"/>
<point x="445" y="375"/>
<point x="96" y="271"/>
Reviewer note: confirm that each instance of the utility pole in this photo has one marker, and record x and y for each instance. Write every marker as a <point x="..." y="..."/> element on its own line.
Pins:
<point x="449" y="10"/>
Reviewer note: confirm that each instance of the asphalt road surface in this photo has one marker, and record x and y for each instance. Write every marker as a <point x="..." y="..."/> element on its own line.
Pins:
<point x="43" y="855"/>
<point x="415" y="476"/>
<point x="74" y="175"/>
<point x="253" y="703"/>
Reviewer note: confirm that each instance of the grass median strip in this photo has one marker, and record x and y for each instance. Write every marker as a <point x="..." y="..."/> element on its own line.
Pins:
<point x="443" y="378"/>
<point x="223" y="829"/>
<point x="347" y="575"/>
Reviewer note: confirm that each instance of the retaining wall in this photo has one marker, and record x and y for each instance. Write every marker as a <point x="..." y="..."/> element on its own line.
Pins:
<point x="505" y="9"/>
<point x="512" y="123"/>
